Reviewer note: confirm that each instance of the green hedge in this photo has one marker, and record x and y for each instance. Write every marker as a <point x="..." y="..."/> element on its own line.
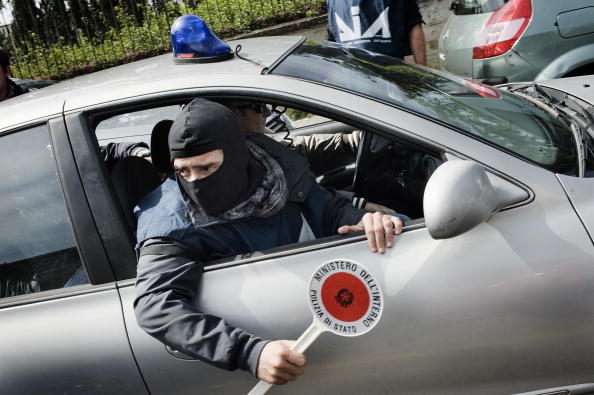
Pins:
<point x="131" y="42"/>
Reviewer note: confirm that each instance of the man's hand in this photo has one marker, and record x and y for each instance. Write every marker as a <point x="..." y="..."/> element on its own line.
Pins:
<point x="379" y="229"/>
<point x="278" y="364"/>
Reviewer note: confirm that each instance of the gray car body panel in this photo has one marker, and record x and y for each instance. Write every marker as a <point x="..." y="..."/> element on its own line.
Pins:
<point x="576" y="22"/>
<point x="580" y="192"/>
<point x="581" y="87"/>
<point x="74" y="341"/>
<point x="558" y="39"/>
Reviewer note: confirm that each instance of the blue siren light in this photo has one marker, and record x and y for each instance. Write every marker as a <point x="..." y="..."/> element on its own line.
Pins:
<point x="193" y="42"/>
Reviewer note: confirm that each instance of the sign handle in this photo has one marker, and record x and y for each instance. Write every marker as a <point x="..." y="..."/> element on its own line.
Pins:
<point x="308" y="337"/>
<point x="304" y="341"/>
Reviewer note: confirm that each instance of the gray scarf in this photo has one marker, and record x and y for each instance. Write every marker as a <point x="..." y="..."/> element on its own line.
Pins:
<point x="267" y="200"/>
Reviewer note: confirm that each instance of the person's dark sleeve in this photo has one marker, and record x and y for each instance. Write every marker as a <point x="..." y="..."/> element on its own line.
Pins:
<point x="166" y="291"/>
<point x="412" y="15"/>
<point x="113" y="152"/>
<point x="326" y="211"/>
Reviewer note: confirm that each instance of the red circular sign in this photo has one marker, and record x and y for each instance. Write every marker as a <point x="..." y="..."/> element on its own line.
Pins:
<point x="345" y="297"/>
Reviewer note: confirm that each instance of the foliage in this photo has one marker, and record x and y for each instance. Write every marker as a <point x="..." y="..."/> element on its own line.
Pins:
<point x="127" y="37"/>
<point x="3" y="40"/>
<point x="52" y="19"/>
<point x="296" y="115"/>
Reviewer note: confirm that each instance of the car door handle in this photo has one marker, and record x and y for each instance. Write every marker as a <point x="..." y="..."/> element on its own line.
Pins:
<point x="178" y="354"/>
<point x="578" y="389"/>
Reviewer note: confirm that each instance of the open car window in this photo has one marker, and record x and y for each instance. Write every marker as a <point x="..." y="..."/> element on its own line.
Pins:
<point x="133" y="126"/>
<point x="361" y="163"/>
<point x="364" y="166"/>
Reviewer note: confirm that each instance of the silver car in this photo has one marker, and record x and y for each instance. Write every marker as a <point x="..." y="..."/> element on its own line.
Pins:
<point x="488" y="290"/>
<point x="498" y="41"/>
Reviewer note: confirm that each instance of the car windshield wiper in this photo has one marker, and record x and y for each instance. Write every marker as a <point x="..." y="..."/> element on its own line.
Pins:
<point x="580" y="117"/>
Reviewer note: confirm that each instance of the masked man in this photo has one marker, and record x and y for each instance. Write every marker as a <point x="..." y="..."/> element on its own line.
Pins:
<point x="229" y="196"/>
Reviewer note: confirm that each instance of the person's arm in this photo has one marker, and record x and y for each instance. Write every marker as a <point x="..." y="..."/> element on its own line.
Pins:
<point x="338" y="215"/>
<point x="113" y="152"/>
<point x="414" y="27"/>
<point x="326" y="210"/>
<point x="327" y="152"/>
<point x="417" y="44"/>
<point x="166" y="290"/>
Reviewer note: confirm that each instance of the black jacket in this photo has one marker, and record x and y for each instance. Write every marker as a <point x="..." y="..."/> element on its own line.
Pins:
<point x="14" y="89"/>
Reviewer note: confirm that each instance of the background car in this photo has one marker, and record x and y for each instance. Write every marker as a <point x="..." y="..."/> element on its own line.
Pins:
<point x="498" y="41"/>
<point x="488" y="289"/>
<point x="33" y="84"/>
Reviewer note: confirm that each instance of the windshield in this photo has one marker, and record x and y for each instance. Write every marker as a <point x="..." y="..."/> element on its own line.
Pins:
<point x="470" y="7"/>
<point x="494" y="116"/>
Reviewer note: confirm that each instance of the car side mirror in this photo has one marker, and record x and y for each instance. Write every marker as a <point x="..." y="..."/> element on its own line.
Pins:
<point x="461" y="195"/>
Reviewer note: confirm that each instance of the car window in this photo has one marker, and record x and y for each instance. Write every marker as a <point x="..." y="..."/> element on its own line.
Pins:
<point x="133" y="126"/>
<point x="37" y="246"/>
<point x="359" y="163"/>
<point x="470" y="7"/>
<point x="389" y="173"/>
<point x="496" y="117"/>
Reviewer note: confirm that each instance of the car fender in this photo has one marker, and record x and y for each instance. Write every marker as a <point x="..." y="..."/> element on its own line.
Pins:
<point x="567" y="62"/>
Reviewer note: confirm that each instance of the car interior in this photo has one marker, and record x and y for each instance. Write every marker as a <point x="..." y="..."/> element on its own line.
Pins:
<point x="385" y="171"/>
<point x="382" y="169"/>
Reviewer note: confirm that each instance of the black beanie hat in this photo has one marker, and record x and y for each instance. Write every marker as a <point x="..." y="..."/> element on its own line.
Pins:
<point x="203" y="126"/>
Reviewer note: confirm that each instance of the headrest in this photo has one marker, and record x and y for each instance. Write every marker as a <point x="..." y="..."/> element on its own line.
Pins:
<point x="160" y="146"/>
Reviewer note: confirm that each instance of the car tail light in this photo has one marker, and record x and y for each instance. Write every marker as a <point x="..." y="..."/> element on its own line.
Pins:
<point x="484" y="90"/>
<point x="502" y="29"/>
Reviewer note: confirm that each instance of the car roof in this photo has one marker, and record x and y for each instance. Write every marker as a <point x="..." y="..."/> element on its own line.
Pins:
<point x="118" y="82"/>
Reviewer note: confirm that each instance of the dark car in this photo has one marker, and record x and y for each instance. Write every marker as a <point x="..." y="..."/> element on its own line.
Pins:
<point x="33" y="84"/>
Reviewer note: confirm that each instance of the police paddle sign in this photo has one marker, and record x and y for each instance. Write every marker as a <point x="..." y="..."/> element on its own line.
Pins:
<point x="345" y="299"/>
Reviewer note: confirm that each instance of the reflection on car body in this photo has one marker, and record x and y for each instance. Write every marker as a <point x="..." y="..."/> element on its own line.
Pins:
<point x="504" y="306"/>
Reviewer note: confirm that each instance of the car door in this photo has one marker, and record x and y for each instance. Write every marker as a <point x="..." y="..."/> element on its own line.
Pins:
<point x="503" y="308"/>
<point x="495" y="310"/>
<point x="61" y="328"/>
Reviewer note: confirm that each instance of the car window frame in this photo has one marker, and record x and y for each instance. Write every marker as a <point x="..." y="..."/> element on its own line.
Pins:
<point x="106" y="201"/>
<point x="86" y="240"/>
<point x="91" y="116"/>
<point x="106" y="212"/>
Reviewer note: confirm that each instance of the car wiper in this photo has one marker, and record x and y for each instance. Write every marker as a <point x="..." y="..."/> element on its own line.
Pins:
<point x="580" y="117"/>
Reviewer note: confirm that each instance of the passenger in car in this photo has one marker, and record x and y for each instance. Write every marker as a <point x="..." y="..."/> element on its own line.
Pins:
<point x="112" y="153"/>
<point x="324" y="152"/>
<point x="321" y="150"/>
<point x="230" y="197"/>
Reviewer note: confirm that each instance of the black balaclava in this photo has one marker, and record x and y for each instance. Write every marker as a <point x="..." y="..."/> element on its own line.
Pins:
<point x="203" y="126"/>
